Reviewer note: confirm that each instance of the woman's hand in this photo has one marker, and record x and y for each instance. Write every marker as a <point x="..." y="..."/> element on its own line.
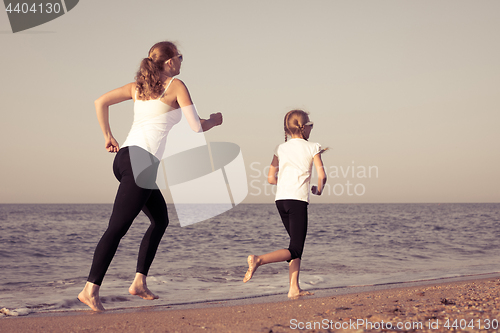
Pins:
<point x="102" y="105"/>
<point x="111" y="145"/>
<point x="216" y="118"/>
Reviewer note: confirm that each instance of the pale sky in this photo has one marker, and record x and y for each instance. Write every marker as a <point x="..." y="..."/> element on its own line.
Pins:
<point x="408" y="88"/>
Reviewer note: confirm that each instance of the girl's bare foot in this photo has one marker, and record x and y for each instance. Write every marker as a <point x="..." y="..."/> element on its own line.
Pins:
<point x="294" y="294"/>
<point x="252" y="267"/>
<point x="139" y="288"/>
<point x="90" y="296"/>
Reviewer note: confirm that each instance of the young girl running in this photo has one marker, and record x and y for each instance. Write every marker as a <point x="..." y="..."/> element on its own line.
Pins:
<point x="292" y="162"/>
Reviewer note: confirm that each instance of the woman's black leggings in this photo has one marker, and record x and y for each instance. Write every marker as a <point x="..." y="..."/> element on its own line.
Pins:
<point x="294" y="216"/>
<point x="129" y="201"/>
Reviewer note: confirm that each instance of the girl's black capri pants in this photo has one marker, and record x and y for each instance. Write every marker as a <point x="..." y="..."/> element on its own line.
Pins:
<point x="294" y="216"/>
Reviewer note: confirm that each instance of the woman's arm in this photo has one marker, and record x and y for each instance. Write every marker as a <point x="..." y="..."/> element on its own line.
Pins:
<point x="102" y="109"/>
<point x="318" y="163"/>
<point x="272" y="176"/>
<point x="186" y="104"/>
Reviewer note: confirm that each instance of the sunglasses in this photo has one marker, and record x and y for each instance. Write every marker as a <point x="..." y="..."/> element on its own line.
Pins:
<point x="309" y="123"/>
<point x="177" y="56"/>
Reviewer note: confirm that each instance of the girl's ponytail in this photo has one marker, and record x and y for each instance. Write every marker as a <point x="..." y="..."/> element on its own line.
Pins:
<point x="294" y="123"/>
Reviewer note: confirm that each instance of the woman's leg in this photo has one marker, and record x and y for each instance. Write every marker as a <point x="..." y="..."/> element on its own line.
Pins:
<point x="156" y="210"/>
<point x="129" y="201"/>
<point x="127" y="206"/>
<point x="90" y="296"/>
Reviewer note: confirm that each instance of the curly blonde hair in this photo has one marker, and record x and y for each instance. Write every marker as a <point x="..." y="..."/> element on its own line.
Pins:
<point x="149" y="84"/>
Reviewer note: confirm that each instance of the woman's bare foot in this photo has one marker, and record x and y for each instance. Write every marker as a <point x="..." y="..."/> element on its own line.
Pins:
<point x="139" y="288"/>
<point x="90" y="296"/>
<point x="253" y="263"/>
<point x="144" y="293"/>
<point x="294" y="294"/>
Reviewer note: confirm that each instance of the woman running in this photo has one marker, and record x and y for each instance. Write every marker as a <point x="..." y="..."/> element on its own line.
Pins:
<point x="159" y="102"/>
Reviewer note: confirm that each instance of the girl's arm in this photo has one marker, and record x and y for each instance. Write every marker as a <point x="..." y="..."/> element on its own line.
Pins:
<point x="185" y="102"/>
<point x="318" y="163"/>
<point x="102" y="109"/>
<point x="272" y="176"/>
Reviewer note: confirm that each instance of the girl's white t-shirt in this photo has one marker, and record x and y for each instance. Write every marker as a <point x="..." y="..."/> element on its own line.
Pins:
<point x="295" y="165"/>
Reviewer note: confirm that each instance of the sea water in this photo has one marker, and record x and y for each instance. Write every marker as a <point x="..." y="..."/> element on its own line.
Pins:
<point x="46" y="251"/>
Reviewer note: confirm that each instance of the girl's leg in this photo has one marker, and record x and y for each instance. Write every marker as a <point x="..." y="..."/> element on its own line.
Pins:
<point x="294" y="216"/>
<point x="296" y="224"/>
<point x="255" y="261"/>
<point x="294" y="270"/>
<point x="156" y="210"/>
<point x="280" y="255"/>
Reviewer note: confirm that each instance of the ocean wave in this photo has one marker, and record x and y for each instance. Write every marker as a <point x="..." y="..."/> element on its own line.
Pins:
<point x="15" y="312"/>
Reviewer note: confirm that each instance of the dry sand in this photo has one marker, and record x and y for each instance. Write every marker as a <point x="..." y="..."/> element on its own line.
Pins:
<point x="473" y="305"/>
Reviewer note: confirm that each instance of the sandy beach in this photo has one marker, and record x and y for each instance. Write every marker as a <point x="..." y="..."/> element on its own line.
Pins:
<point x="432" y="306"/>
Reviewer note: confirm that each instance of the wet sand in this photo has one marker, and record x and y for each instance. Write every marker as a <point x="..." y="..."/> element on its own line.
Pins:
<point x="428" y="306"/>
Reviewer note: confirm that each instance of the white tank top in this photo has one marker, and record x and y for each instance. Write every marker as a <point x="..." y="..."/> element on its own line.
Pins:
<point x="153" y="119"/>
